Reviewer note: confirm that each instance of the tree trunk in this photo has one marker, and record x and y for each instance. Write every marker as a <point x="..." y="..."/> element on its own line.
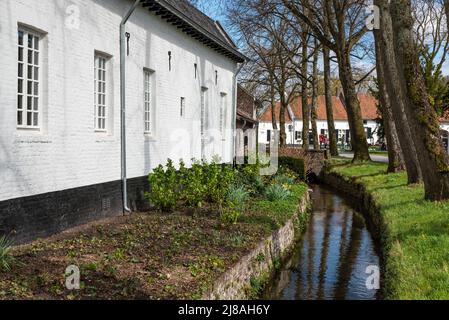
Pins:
<point x="304" y="95"/>
<point x="395" y="156"/>
<point x="329" y="103"/>
<point x="432" y="156"/>
<point x="396" y="93"/>
<point x="446" y="9"/>
<point x="273" y="104"/>
<point x="358" y="136"/>
<point x="314" y="115"/>
<point x="283" y="133"/>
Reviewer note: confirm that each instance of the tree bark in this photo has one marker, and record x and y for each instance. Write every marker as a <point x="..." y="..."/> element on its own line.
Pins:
<point x="358" y="137"/>
<point x="396" y="94"/>
<point x="283" y="134"/>
<point x="273" y="104"/>
<point x="313" y="111"/>
<point x="329" y="103"/>
<point x="395" y="156"/>
<point x="424" y="121"/>
<point x="446" y="9"/>
<point x="304" y="94"/>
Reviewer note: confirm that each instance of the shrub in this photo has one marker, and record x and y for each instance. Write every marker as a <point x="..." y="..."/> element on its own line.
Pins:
<point x="277" y="192"/>
<point x="6" y="258"/>
<point x="193" y="189"/>
<point x="295" y="164"/>
<point x="164" y="187"/>
<point x="249" y="177"/>
<point x="226" y="178"/>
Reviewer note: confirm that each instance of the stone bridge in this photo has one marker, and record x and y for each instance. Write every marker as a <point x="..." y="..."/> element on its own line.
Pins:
<point x="315" y="160"/>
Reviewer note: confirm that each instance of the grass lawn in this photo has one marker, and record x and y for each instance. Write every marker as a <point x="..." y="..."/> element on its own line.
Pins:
<point x="144" y="256"/>
<point x="417" y="241"/>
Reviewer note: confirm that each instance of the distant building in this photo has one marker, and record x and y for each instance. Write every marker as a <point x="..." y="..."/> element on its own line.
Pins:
<point x="294" y="121"/>
<point x="246" y="120"/>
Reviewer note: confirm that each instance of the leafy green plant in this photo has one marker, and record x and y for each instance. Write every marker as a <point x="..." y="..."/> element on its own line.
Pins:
<point x="193" y="189"/>
<point x="238" y="196"/>
<point x="235" y="205"/>
<point x="277" y="192"/>
<point x="6" y="257"/>
<point x="164" y="187"/>
<point x="283" y="180"/>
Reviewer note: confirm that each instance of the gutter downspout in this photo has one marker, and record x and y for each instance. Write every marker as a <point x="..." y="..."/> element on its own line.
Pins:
<point x="123" y="103"/>
<point x="234" y="114"/>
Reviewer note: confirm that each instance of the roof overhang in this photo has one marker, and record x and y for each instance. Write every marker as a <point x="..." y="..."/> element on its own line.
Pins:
<point x="178" y="19"/>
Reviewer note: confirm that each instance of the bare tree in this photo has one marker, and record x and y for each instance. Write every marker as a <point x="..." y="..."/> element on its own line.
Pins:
<point x="314" y="105"/>
<point x="432" y="39"/>
<point x="446" y="9"/>
<point x="329" y="102"/>
<point x="271" y="41"/>
<point x="346" y="25"/>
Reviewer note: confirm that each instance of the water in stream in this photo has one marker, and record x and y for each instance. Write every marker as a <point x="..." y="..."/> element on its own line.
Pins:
<point x="331" y="261"/>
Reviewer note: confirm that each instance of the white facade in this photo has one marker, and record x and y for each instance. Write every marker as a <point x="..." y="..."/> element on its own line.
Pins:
<point x="294" y="131"/>
<point x="76" y="142"/>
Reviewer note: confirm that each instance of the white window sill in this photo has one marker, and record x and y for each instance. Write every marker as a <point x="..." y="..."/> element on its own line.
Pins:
<point x="149" y="137"/>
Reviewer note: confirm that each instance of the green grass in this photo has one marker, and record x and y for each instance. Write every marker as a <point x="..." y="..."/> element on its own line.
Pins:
<point x="416" y="241"/>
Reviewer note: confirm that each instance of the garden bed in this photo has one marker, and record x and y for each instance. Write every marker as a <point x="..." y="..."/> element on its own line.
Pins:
<point x="413" y="232"/>
<point x="148" y="255"/>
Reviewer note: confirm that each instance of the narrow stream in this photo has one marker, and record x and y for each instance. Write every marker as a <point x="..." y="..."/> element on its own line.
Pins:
<point x="331" y="261"/>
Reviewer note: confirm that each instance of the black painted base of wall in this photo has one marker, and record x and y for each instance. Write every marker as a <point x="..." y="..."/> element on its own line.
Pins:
<point x="26" y="219"/>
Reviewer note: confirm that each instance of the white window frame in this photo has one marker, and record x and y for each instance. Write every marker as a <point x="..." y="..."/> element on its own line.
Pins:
<point x="101" y="92"/>
<point x="29" y="75"/>
<point x="148" y="101"/>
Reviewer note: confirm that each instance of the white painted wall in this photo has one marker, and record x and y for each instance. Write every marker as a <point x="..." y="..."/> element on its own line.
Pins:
<point x="321" y="124"/>
<point x="67" y="152"/>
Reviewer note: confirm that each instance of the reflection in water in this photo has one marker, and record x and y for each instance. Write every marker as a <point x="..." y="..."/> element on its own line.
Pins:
<point x="332" y="259"/>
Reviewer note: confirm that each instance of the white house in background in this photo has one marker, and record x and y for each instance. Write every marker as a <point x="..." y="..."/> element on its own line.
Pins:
<point x="294" y="121"/>
<point x="60" y="130"/>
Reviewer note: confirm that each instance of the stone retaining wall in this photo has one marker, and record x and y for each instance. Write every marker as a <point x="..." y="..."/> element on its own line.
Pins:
<point x="260" y="264"/>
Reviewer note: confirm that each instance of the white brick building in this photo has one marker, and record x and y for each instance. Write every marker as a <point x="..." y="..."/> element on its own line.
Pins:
<point x="294" y="121"/>
<point x="60" y="145"/>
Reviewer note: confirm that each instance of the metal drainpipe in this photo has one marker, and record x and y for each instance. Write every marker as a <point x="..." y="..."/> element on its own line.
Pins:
<point x="123" y="103"/>
<point x="234" y="115"/>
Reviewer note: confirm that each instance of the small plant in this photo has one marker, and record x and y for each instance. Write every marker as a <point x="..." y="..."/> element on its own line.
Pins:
<point x="234" y="205"/>
<point x="229" y="215"/>
<point x="6" y="257"/>
<point x="277" y="192"/>
<point x="284" y="180"/>
<point x="238" y="197"/>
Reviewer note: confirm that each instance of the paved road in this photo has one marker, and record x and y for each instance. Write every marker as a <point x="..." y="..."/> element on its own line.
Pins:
<point x="374" y="157"/>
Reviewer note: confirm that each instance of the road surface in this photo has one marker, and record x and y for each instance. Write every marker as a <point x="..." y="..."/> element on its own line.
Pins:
<point x="374" y="157"/>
